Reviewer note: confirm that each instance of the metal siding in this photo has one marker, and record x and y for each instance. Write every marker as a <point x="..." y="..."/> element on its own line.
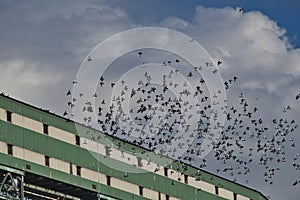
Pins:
<point x="92" y="146"/>
<point x="240" y="197"/>
<point x="3" y="147"/>
<point x="83" y="158"/>
<point x="67" y="178"/>
<point x="225" y="193"/>
<point x="123" y="185"/>
<point x="175" y="175"/>
<point x="26" y="122"/>
<point x="28" y="155"/>
<point x="64" y="124"/>
<point x="59" y="165"/>
<point x="61" y="135"/>
<point x="151" y="194"/>
<point x="2" y="114"/>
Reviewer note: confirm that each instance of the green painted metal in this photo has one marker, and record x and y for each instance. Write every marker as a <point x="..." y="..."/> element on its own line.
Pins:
<point x="12" y="170"/>
<point x="67" y="178"/>
<point x="52" y="147"/>
<point x="74" y="154"/>
<point x="25" y="138"/>
<point x="189" y="192"/>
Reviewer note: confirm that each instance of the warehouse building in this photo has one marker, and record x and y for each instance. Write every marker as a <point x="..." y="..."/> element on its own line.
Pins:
<point x="42" y="156"/>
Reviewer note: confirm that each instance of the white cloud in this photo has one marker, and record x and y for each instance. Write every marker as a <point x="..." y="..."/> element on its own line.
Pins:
<point x="24" y="79"/>
<point x="249" y="44"/>
<point x="41" y="52"/>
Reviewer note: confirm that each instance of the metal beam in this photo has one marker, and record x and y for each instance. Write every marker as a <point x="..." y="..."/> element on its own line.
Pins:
<point x="12" y="170"/>
<point x="52" y="192"/>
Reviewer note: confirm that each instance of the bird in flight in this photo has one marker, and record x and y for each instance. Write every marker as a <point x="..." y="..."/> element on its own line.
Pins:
<point x="241" y="9"/>
<point x="297" y="182"/>
<point x="154" y="108"/>
<point x="140" y="53"/>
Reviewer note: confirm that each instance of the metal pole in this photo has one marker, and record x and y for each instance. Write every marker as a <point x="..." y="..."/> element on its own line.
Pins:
<point x="22" y="188"/>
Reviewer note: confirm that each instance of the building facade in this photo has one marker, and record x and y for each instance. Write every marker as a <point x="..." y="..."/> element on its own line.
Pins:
<point x="42" y="156"/>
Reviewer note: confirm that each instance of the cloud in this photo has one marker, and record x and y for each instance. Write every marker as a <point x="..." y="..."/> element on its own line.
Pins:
<point x="250" y="45"/>
<point x="253" y="47"/>
<point x="44" y="44"/>
<point x="49" y="41"/>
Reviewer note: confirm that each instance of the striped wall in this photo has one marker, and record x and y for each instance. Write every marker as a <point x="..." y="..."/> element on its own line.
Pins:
<point x="116" y="154"/>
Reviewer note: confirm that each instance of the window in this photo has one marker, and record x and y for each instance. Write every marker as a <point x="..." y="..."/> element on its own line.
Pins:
<point x="140" y="164"/>
<point x="166" y="171"/>
<point x="8" y="116"/>
<point x="185" y="178"/>
<point x="94" y="186"/>
<point x="141" y="190"/>
<point x="234" y="196"/>
<point x="45" y="129"/>
<point x="78" y="169"/>
<point x="108" y="180"/>
<point x="28" y="167"/>
<point x="159" y="196"/>
<point x="167" y="197"/>
<point x="216" y="190"/>
<point x="77" y="140"/>
<point x="107" y="150"/>
<point x="47" y="161"/>
<point x="9" y="149"/>
<point x="71" y="168"/>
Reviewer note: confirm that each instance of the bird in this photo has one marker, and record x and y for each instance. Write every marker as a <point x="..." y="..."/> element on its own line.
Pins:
<point x="140" y="53"/>
<point x="297" y="182"/>
<point x="65" y="113"/>
<point x="161" y="114"/>
<point x="241" y="9"/>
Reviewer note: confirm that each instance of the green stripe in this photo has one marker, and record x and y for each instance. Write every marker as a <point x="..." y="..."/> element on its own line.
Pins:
<point x="46" y="145"/>
<point x="67" y="178"/>
<point x="64" y="151"/>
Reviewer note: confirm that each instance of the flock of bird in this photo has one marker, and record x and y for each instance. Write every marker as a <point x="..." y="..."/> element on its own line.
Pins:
<point x="156" y="116"/>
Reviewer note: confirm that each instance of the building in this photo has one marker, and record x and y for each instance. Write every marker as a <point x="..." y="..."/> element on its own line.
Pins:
<point x="42" y="157"/>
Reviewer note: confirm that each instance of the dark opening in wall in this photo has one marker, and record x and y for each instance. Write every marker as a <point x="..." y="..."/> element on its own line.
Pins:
<point x="141" y="190"/>
<point x="216" y="190"/>
<point x="9" y="149"/>
<point x="165" y="171"/>
<point x="107" y="150"/>
<point x="78" y="169"/>
<point x="71" y="168"/>
<point x="8" y="116"/>
<point x="140" y="164"/>
<point x="45" y="129"/>
<point x="47" y="163"/>
<point x="185" y="178"/>
<point x="77" y="138"/>
<point x="108" y="180"/>
<point x="234" y="196"/>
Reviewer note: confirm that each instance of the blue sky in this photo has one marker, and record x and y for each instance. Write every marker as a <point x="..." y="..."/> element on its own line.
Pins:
<point x="43" y="44"/>
<point x="285" y="13"/>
